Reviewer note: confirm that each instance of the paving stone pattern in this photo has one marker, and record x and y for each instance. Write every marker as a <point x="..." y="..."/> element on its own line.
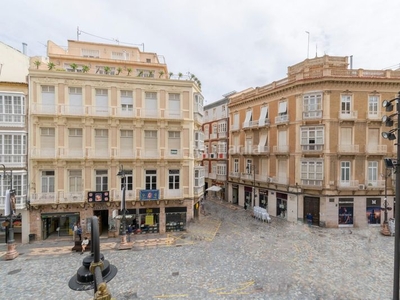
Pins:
<point x="225" y="255"/>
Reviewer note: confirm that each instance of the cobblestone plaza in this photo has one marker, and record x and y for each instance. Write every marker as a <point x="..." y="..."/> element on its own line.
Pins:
<point x="225" y="255"/>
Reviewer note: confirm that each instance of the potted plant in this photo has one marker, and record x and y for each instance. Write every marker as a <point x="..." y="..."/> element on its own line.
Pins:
<point x="107" y="70"/>
<point x="180" y="75"/>
<point x="170" y="74"/>
<point x="151" y="73"/>
<point x="51" y="65"/>
<point x="119" y="70"/>
<point x="85" y="69"/>
<point x="160" y="74"/>
<point x="140" y="74"/>
<point x="129" y="71"/>
<point x="37" y="63"/>
<point x="73" y="67"/>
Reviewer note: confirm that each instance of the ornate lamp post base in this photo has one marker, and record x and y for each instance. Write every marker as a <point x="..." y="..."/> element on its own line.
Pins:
<point x="11" y="251"/>
<point x="385" y="230"/>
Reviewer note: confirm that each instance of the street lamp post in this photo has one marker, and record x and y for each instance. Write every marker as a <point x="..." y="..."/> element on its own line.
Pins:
<point x="251" y="169"/>
<point x="9" y="210"/>
<point x="122" y="174"/>
<point x="388" y="166"/>
<point x="388" y="104"/>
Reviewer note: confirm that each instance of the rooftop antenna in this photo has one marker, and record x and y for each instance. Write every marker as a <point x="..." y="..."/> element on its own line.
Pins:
<point x="78" y="33"/>
<point x="316" y="50"/>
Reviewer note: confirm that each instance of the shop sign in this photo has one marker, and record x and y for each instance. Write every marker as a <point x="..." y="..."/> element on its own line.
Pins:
<point x="149" y="195"/>
<point x="98" y="196"/>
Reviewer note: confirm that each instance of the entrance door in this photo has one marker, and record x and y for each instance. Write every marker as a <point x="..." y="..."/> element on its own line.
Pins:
<point x="235" y="194"/>
<point x="311" y="205"/>
<point x="102" y="215"/>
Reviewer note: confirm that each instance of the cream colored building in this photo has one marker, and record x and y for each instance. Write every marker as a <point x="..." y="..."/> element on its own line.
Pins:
<point x="14" y="66"/>
<point x="97" y="109"/>
<point x="314" y="142"/>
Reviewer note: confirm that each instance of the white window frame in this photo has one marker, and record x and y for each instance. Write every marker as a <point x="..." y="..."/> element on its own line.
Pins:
<point x="101" y="181"/>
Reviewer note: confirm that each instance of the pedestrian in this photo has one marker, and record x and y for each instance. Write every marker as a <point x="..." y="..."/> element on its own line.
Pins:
<point x="74" y="231"/>
<point x="79" y="232"/>
<point x="130" y="230"/>
<point x="245" y="205"/>
<point x="84" y="244"/>
<point x="309" y="219"/>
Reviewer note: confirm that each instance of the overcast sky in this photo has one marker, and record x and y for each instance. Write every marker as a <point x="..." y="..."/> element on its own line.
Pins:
<point x="228" y="44"/>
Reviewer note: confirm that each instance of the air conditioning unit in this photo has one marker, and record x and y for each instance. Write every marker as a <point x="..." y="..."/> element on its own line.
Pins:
<point x="213" y="155"/>
<point x="361" y="186"/>
<point x="205" y="155"/>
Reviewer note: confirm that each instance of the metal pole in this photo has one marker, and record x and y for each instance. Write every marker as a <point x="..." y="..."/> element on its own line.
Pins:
<point x="386" y="202"/>
<point x="11" y="228"/>
<point x="254" y="186"/>
<point x="397" y="214"/>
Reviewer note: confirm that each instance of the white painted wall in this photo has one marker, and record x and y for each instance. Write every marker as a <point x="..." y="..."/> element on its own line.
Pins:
<point x="13" y="64"/>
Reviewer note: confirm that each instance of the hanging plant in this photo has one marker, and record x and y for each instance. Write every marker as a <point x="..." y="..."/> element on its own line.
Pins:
<point x="129" y="71"/>
<point x="37" y="63"/>
<point x="119" y="70"/>
<point x="51" y="65"/>
<point x="85" y="69"/>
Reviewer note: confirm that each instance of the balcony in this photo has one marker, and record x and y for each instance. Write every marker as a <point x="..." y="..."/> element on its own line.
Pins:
<point x="282" y="119"/>
<point x="198" y="118"/>
<point x="124" y="113"/>
<point x="150" y="113"/>
<point x="72" y="153"/>
<point x="281" y="179"/>
<point x="99" y="153"/>
<point x="130" y="195"/>
<point x="173" y="114"/>
<point x="98" y="111"/>
<point x="43" y="198"/>
<point x="263" y="122"/>
<point x="149" y="153"/>
<point x="312" y="148"/>
<point x="263" y="178"/>
<point x="312" y="182"/>
<point x="43" y="153"/>
<point x="312" y="115"/>
<point x="72" y="197"/>
<point x="234" y="174"/>
<point x="251" y="124"/>
<point x="213" y="136"/>
<point x="235" y="127"/>
<point x="260" y="149"/>
<point x="246" y="176"/>
<point x="349" y="184"/>
<point x="375" y="184"/>
<point x="172" y="194"/>
<point x="234" y="150"/>
<point x="222" y="155"/>
<point x="374" y="116"/>
<point x="281" y="149"/>
<point x="221" y="177"/>
<point x="198" y="190"/>
<point x="72" y="110"/>
<point x="348" y="115"/>
<point x="43" y="109"/>
<point x="123" y="153"/>
<point x="173" y="153"/>
<point x="222" y="135"/>
<point x="348" y="149"/>
<point x="376" y="149"/>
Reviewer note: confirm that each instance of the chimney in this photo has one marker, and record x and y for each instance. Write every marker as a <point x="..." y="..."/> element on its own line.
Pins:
<point x="24" y="48"/>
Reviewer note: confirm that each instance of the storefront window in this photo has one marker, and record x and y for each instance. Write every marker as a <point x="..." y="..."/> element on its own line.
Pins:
<point x="346" y="209"/>
<point x="148" y="220"/>
<point x="281" y="205"/>
<point x="373" y="211"/>
<point x="175" y="218"/>
<point x="264" y="199"/>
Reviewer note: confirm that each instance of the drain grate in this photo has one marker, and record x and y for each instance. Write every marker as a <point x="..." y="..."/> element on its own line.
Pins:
<point x="14" y="272"/>
<point x="175" y="273"/>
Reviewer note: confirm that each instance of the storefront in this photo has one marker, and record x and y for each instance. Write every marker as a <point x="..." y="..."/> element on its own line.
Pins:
<point x="248" y="196"/>
<point x="235" y="194"/>
<point x="58" y="223"/>
<point x="4" y="228"/>
<point x="263" y="199"/>
<point x="346" y="212"/>
<point x="175" y="218"/>
<point x="149" y="220"/>
<point x="373" y="212"/>
<point x="281" y="205"/>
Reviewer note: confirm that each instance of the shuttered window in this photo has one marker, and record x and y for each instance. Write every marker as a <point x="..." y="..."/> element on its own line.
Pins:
<point x="47" y="138"/>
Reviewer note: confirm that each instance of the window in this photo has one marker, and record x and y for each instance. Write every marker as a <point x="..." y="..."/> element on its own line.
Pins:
<point x="174" y="141"/>
<point x="236" y="165"/>
<point x="12" y="108"/>
<point x="199" y="177"/>
<point x="19" y="182"/>
<point x="150" y="140"/>
<point x="12" y="148"/>
<point x="235" y="125"/>
<point x="249" y="166"/>
<point x="345" y="104"/>
<point x="207" y="131"/>
<point x="151" y="180"/>
<point x="312" y="138"/>
<point x="126" y="142"/>
<point x="47" y="138"/>
<point x="248" y="119"/>
<point x="282" y="109"/>
<point x="263" y="120"/>
<point x="345" y="171"/>
<point x="101" y="141"/>
<point x="222" y="147"/>
<point x="263" y="142"/>
<point x="47" y="181"/>
<point x="372" y="171"/>
<point x="312" y="105"/>
<point x="126" y="101"/>
<point x="312" y="172"/>
<point x="120" y="55"/>
<point x="373" y="102"/>
<point x="214" y="129"/>
<point x="222" y="127"/>
<point x="75" y="100"/>
<point x="102" y="101"/>
<point x="128" y="180"/>
<point x="221" y="169"/>
<point x="346" y="139"/>
<point x="90" y="53"/>
<point x="173" y="180"/>
<point x="48" y="99"/>
<point x="101" y="180"/>
<point x="151" y="107"/>
<point x="75" y="181"/>
<point x="174" y="105"/>
<point x="199" y="140"/>
<point x="75" y="140"/>
<point x="102" y="70"/>
<point x="198" y="104"/>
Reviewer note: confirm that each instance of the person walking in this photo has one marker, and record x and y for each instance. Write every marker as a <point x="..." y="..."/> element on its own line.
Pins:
<point x="130" y="230"/>
<point x="79" y="232"/>
<point x="309" y="219"/>
<point x="74" y="231"/>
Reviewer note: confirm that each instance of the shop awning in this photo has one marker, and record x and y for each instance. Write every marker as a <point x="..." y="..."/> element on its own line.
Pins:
<point x="214" y="188"/>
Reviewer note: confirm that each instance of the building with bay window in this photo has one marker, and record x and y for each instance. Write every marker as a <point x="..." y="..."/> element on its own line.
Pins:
<point x="97" y="109"/>
<point x="14" y="66"/>
<point x="311" y="143"/>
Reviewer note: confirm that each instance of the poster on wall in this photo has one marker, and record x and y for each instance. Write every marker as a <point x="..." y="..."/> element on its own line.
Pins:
<point x="374" y="211"/>
<point x="345" y="214"/>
